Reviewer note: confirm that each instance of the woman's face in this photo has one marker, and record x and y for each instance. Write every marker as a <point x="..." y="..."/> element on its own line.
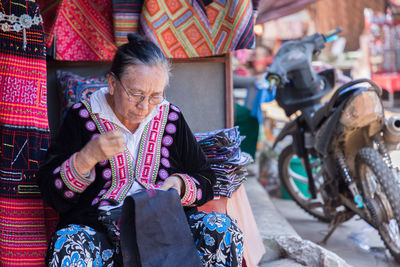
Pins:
<point x="149" y="81"/>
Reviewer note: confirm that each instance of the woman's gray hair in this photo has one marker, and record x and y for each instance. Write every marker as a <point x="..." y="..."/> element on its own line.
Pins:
<point x="138" y="51"/>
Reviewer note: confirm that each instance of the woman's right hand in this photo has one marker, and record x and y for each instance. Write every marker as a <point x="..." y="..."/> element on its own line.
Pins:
<point x="98" y="149"/>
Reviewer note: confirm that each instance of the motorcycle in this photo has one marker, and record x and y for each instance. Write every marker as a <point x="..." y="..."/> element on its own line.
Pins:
<point x="343" y="143"/>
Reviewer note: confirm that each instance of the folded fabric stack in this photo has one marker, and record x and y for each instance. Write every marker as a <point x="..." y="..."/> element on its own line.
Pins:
<point x="222" y="148"/>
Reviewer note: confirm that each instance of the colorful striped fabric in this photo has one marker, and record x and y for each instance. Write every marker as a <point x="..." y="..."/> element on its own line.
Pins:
<point x="188" y="28"/>
<point x="126" y="15"/>
<point x="24" y="137"/>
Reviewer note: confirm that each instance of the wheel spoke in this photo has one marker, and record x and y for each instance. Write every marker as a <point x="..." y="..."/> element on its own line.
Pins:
<point x="372" y="185"/>
<point x="295" y="180"/>
<point x="394" y="232"/>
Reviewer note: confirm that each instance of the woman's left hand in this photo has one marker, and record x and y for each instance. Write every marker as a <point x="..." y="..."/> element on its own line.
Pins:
<point x="173" y="182"/>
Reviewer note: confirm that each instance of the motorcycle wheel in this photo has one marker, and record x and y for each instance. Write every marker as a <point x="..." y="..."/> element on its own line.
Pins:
<point x="290" y="179"/>
<point x="381" y="196"/>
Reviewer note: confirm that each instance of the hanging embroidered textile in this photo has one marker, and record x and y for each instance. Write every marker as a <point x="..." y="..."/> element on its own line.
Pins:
<point x="188" y="28"/>
<point x="49" y="10"/>
<point x="82" y="29"/>
<point x="24" y="134"/>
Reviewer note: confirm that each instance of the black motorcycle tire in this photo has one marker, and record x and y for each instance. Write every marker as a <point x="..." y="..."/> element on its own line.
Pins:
<point x="283" y="167"/>
<point x="372" y="159"/>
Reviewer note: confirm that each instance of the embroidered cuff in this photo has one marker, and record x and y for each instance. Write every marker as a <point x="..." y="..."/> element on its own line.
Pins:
<point x="74" y="180"/>
<point x="190" y="190"/>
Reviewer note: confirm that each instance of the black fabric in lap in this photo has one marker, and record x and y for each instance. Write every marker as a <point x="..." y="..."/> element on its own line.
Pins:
<point x="162" y="231"/>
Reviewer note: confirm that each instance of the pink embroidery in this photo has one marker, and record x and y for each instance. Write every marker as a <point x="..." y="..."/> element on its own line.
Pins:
<point x="165" y="162"/>
<point x="71" y="178"/>
<point x="57" y="170"/>
<point x="159" y="183"/>
<point x="165" y="152"/>
<point x="122" y="173"/>
<point x="149" y="152"/>
<point x="84" y="113"/>
<point x="173" y="116"/>
<point x="90" y="126"/>
<point x="58" y="183"/>
<point x="95" y="201"/>
<point x="95" y="136"/>
<point x="199" y="194"/>
<point x="170" y="128"/>
<point x="194" y="180"/>
<point x="102" y="192"/>
<point x="190" y="190"/>
<point x="103" y="163"/>
<point x="69" y="194"/>
<point x="163" y="174"/>
<point x="77" y="105"/>
<point x="175" y="108"/>
<point x="107" y="185"/>
<point x="107" y="174"/>
<point x="121" y="181"/>
<point x="104" y="203"/>
<point x="167" y="140"/>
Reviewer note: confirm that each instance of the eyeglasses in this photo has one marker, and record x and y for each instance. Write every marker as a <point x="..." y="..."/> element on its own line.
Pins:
<point x="139" y="98"/>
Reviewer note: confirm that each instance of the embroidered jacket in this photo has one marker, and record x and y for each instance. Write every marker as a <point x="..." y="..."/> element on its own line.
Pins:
<point x="167" y="147"/>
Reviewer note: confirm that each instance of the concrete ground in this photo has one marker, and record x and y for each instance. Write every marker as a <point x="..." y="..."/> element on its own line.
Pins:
<point x="354" y="241"/>
<point x="343" y="242"/>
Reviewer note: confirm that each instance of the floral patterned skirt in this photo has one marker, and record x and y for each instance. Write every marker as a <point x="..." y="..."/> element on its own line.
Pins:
<point x="217" y="237"/>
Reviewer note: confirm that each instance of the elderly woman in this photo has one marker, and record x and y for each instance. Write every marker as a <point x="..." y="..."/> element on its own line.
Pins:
<point x="124" y="140"/>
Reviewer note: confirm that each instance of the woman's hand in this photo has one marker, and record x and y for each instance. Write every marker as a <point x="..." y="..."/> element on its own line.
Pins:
<point x="173" y="182"/>
<point x="98" y="149"/>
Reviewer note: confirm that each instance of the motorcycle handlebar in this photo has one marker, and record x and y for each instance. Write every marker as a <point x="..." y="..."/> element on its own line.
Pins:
<point x="332" y="33"/>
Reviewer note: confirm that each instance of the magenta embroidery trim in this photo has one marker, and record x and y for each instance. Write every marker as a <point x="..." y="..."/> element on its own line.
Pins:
<point x="107" y="185"/>
<point x="69" y="194"/>
<point x="173" y="116"/>
<point x="77" y="105"/>
<point x="190" y="190"/>
<point x="167" y="140"/>
<point x="175" y="108"/>
<point x="71" y="178"/>
<point x="165" y="162"/>
<point x="90" y="125"/>
<point x="165" y="152"/>
<point x="95" y="201"/>
<point x="121" y="164"/>
<point x="103" y="163"/>
<point x="58" y="183"/>
<point x="121" y="169"/>
<point x="149" y="151"/>
<point x="163" y="174"/>
<point x="95" y="136"/>
<point x="84" y="113"/>
<point x="107" y="173"/>
<point x="199" y="194"/>
<point x="57" y="170"/>
<point x="171" y="128"/>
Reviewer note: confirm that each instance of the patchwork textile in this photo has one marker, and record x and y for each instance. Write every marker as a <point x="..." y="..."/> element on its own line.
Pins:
<point x="188" y="28"/>
<point x="82" y="29"/>
<point x="24" y="134"/>
<point x="75" y="88"/>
